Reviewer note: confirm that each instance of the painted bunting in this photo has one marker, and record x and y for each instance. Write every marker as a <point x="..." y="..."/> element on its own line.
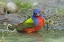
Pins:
<point x="37" y="19"/>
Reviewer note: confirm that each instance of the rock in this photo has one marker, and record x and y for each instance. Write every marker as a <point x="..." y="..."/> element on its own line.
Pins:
<point x="15" y="24"/>
<point x="5" y="18"/>
<point x="35" y="4"/>
<point x="11" y="7"/>
<point x="1" y="12"/>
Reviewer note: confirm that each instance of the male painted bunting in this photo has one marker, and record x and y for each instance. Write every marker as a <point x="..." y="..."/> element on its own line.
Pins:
<point x="38" y="21"/>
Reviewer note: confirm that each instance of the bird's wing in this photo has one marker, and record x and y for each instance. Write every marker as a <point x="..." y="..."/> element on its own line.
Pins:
<point x="29" y="22"/>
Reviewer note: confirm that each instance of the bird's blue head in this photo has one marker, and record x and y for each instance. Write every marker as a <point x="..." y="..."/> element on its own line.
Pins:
<point x="36" y="12"/>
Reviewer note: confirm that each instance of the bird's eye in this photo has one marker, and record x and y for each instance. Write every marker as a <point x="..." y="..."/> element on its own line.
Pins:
<point x="35" y="13"/>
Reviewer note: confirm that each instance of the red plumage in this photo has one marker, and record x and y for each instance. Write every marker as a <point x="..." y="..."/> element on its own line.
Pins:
<point x="36" y="28"/>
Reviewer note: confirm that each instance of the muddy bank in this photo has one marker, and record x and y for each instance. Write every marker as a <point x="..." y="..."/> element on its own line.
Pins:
<point x="12" y="18"/>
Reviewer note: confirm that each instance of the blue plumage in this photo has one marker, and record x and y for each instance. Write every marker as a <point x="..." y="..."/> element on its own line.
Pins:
<point x="34" y="15"/>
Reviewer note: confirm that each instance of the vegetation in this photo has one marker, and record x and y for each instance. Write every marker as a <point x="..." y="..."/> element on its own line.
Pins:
<point x="2" y="5"/>
<point x="59" y="11"/>
<point x="23" y="5"/>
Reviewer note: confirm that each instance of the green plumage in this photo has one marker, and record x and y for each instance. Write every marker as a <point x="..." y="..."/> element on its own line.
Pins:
<point x="28" y="22"/>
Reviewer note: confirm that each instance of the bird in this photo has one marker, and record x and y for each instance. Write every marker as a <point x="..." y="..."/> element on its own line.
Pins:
<point x="37" y="20"/>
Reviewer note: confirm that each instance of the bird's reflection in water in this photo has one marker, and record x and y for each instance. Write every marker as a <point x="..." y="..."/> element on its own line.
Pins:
<point x="37" y="36"/>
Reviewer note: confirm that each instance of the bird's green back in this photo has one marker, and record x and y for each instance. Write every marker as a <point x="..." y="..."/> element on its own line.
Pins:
<point x="28" y="22"/>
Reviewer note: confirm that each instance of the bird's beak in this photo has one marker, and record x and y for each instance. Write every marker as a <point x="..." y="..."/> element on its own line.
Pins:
<point x="38" y="14"/>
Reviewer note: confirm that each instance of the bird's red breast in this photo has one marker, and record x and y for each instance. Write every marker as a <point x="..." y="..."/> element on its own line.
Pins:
<point x="36" y="28"/>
